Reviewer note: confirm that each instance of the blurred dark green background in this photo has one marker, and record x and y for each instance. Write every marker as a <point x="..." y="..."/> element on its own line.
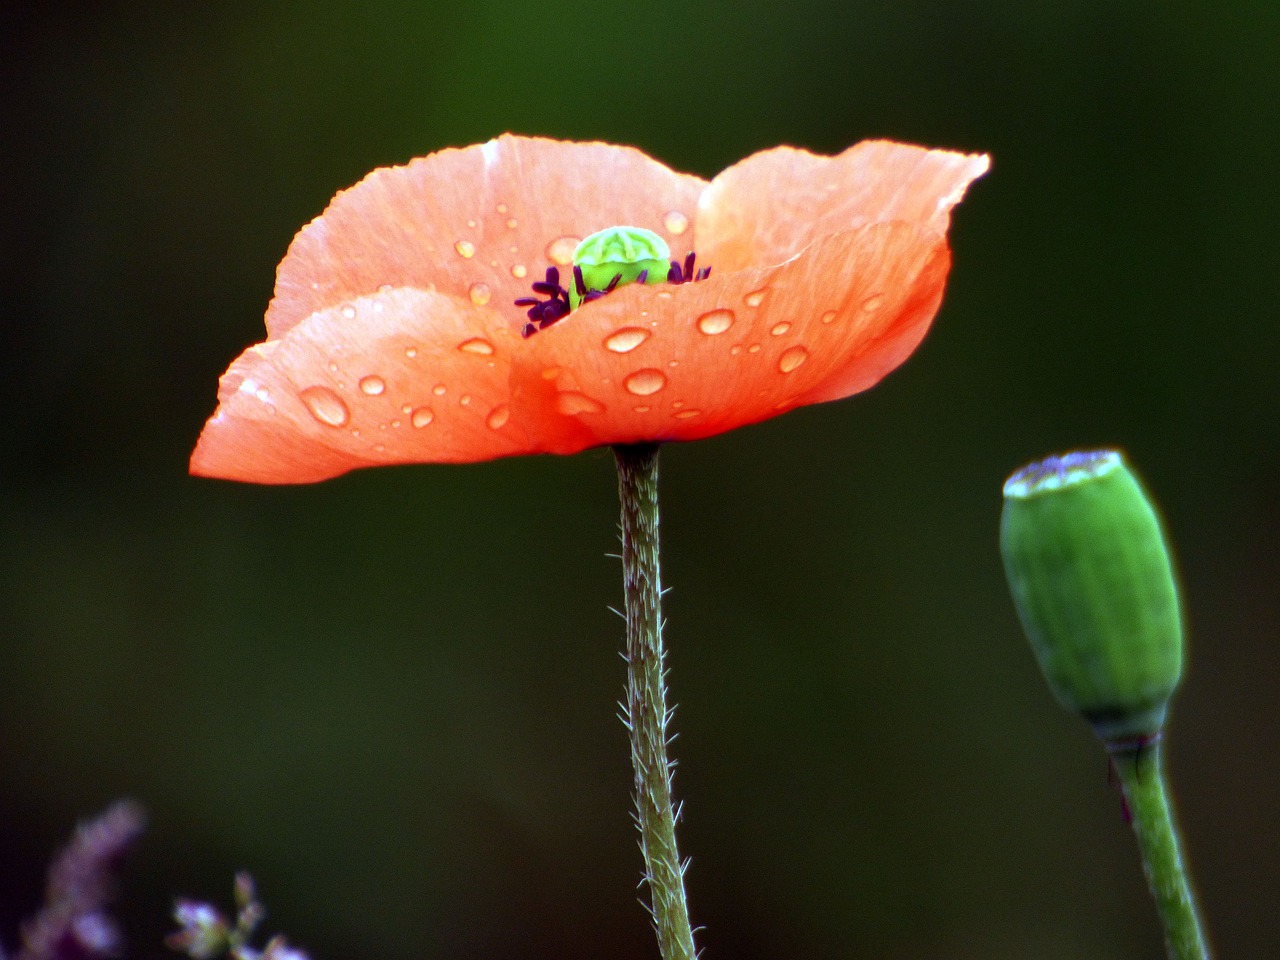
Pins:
<point x="392" y="695"/>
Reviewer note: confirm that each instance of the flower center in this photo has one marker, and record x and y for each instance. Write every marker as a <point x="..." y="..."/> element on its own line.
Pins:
<point x="603" y="262"/>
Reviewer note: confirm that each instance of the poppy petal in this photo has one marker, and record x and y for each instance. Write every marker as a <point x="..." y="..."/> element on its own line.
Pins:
<point x="478" y="222"/>
<point x="690" y="361"/>
<point x="773" y="204"/>
<point x="402" y="376"/>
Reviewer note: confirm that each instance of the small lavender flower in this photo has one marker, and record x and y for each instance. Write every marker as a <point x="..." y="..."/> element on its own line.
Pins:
<point x="73" y="924"/>
<point x="205" y="933"/>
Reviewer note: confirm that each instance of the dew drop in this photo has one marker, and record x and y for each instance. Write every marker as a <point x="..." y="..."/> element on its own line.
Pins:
<point x="502" y="208"/>
<point x="872" y="303"/>
<point x="349" y="311"/>
<point x="477" y="345"/>
<point x="466" y="249"/>
<point x="626" y="339"/>
<point x="263" y="394"/>
<point x="715" y="321"/>
<point x="372" y="386"/>
<point x="687" y="414"/>
<point x="675" y="222"/>
<point x="395" y="423"/>
<point x="570" y="403"/>
<point x="754" y="348"/>
<point x="735" y="349"/>
<point x="326" y="406"/>
<point x="828" y="316"/>
<point x="642" y="409"/>
<point x="333" y="367"/>
<point x="551" y="373"/>
<point x="519" y="271"/>
<point x="480" y="294"/>
<point x="498" y="417"/>
<point x="780" y="328"/>
<point x="645" y="382"/>
<point x="755" y="297"/>
<point x="471" y="224"/>
<point x="792" y="358"/>
<point x="560" y="250"/>
<point x="512" y="223"/>
<point x="407" y="408"/>
<point x="465" y="400"/>
<point x="410" y="352"/>
<point x="438" y="389"/>
<point x="421" y="417"/>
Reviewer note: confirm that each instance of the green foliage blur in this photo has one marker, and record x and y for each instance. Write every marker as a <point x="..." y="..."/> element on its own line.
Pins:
<point x="392" y="696"/>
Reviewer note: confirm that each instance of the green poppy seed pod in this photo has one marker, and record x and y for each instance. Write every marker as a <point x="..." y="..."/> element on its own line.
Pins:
<point x="1094" y="588"/>
<point x="624" y="252"/>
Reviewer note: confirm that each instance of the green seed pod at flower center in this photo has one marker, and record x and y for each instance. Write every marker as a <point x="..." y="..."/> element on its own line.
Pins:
<point x="626" y="253"/>
<point x="1094" y="588"/>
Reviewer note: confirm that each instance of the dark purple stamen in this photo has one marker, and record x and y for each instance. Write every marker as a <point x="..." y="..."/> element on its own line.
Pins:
<point x="543" y="313"/>
<point x="685" y="273"/>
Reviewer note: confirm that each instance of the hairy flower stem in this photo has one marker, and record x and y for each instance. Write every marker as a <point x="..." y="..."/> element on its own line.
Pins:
<point x="1139" y="769"/>
<point x="646" y="708"/>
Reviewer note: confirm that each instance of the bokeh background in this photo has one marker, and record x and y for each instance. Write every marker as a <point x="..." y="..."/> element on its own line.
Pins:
<point x="391" y="696"/>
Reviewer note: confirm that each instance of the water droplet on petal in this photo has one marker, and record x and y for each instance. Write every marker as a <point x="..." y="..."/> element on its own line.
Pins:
<point x="735" y="349"/>
<point x="780" y="328"/>
<point x="349" y="311"/>
<point x="410" y="352"/>
<point x="675" y="222"/>
<point x="421" y="417"/>
<point x="465" y="248"/>
<point x="512" y="223"/>
<point x="755" y="297"/>
<point x="438" y="389"/>
<point x="828" y="316"/>
<point x="471" y="224"/>
<point x="480" y="294"/>
<point x="502" y="208"/>
<point x="477" y="345"/>
<point x="551" y="373"/>
<point x="395" y="423"/>
<point x="626" y="339"/>
<point x="372" y="386"/>
<point x="754" y="348"/>
<point x="560" y="250"/>
<point x="644" y="382"/>
<point x="326" y="406"/>
<point x="498" y="417"/>
<point x="641" y="409"/>
<point x="571" y="403"/>
<point x="465" y="400"/>
<point x="407" y="408"/>
<point x="715" y="321"/>
<point x="792" y="358"/>
<point x="519" y="271"/>
<point x="872" y="303"/>
<point x="333" y="367"/>
<point x="687" y="414"/>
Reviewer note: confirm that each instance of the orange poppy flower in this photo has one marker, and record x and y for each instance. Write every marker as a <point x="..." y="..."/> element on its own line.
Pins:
<point x="393" y="335"/>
